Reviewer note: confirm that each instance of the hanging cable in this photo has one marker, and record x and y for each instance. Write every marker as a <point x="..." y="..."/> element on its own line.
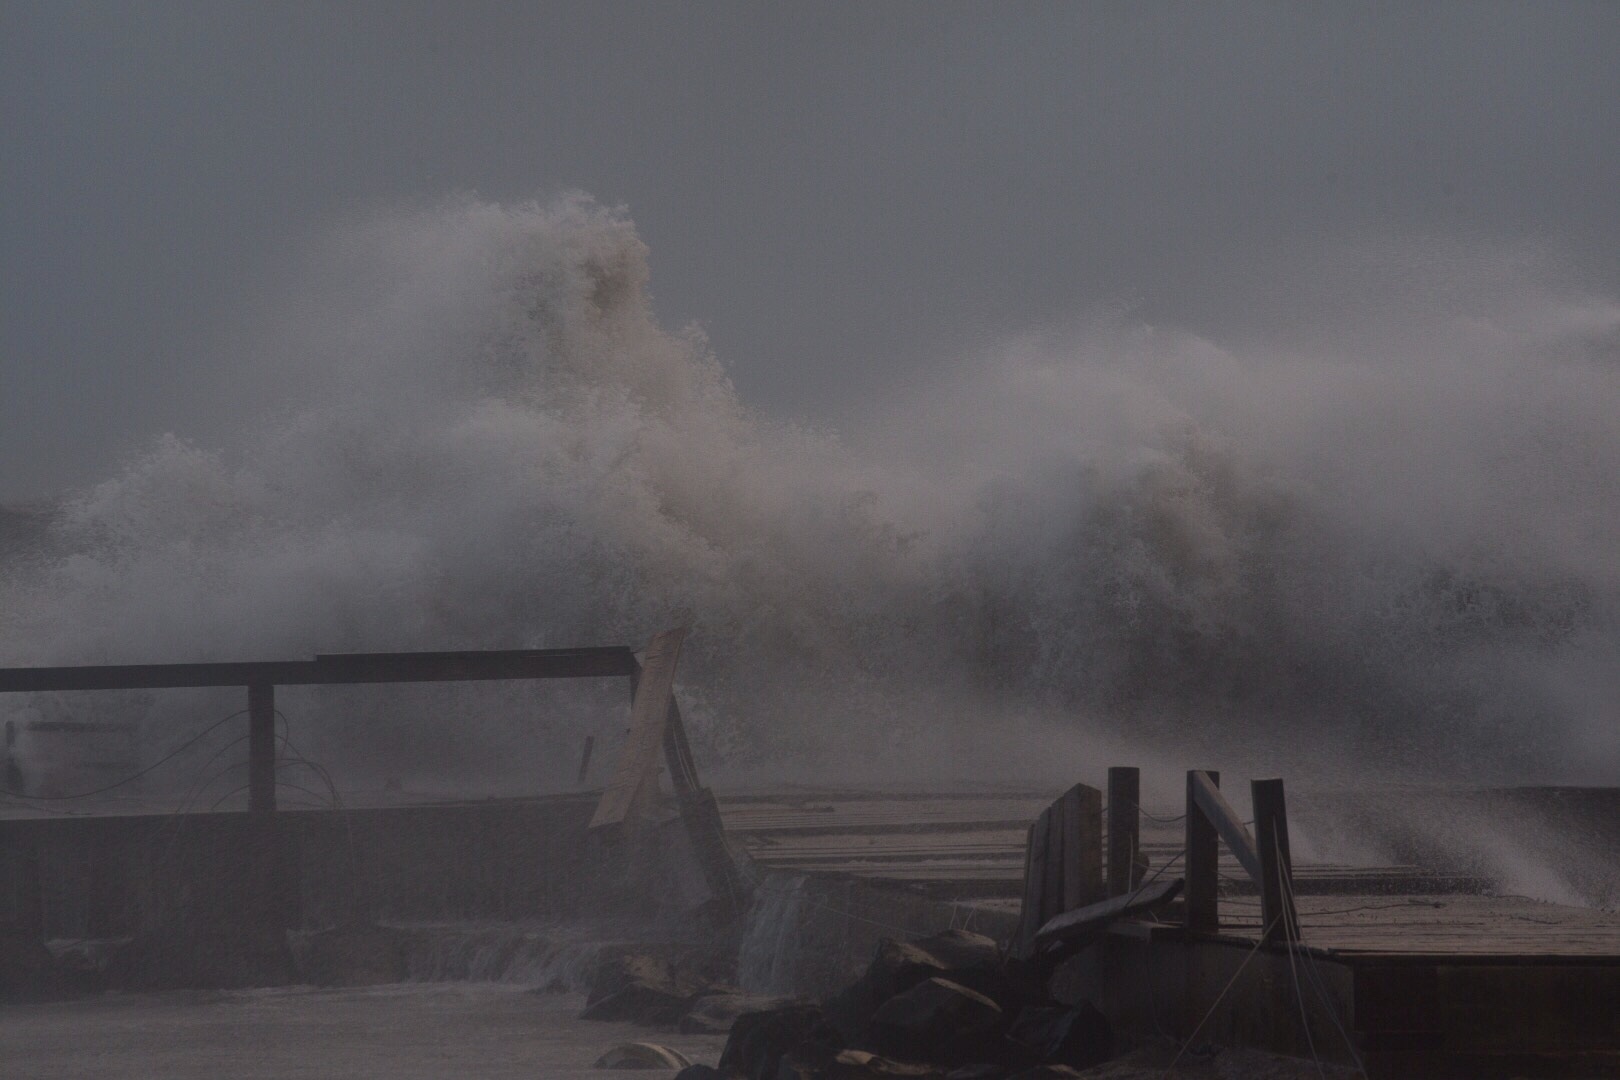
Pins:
<point x="1318" y="983"/>
<point x="170" y="756"/>
<point x="1216" y="1003"/>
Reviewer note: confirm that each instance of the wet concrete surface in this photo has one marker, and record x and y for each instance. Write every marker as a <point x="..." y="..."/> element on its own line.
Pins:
<point x="432" y="1031"/>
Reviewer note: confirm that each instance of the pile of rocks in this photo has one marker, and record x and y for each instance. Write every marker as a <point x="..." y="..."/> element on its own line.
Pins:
<point x="945" y="1006"/>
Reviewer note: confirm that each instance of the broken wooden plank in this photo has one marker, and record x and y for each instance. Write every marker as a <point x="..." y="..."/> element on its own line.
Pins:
<point x="1080" y="923"/>
<point x="649" y="714"/>
<point x="1124" y="827"/>
<point x="700" y="814"/>
<point x="1030" y="917"/>
<point x="1207" y="797"/>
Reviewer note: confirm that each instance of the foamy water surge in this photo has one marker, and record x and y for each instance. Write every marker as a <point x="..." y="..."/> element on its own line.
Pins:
<point x="1400" y="554"/>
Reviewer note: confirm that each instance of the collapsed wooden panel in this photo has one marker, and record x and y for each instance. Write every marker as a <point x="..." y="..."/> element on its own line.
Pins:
<point x="636" y="769"/>
<point x="1063" y="865"/>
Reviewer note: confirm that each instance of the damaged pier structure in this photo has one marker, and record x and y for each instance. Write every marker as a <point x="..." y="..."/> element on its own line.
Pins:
<point x="1188" y="926"/>
<point x="1198" y="928"/>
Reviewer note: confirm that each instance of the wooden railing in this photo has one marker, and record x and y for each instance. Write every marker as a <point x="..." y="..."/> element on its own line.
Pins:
<point x="1066" y="893"/>
<point x="1211" y="820"/>
<point x="655" y="728"/>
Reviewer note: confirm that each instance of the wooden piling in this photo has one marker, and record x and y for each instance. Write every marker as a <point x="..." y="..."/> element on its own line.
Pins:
<point x="1080" y="811"/>
<point x="1035" y="870"/>
<point x="1124" y="826"/>
<point x="1276" y="864"/>
<point x="1202" y="860"/>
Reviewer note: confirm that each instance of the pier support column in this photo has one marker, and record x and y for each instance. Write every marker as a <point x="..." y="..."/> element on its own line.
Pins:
<point x="1277" y="865"/>
<point x="1203" y="861"/>
<point x="1124" y="826"/>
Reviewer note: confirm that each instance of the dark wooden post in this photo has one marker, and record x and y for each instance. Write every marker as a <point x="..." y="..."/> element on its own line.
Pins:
<point x="1036" y="888"/>
<point x="1276" y="864"/>
<point x="261" y="748"/>
<point x="1203" y="861"/>
<point x="1124" y="826"/>
<point x="1078" y="851"/>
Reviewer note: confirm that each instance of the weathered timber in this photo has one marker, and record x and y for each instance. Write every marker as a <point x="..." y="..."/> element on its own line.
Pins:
<point x="1063" y="865"/>
<point x="1080" y="923"/>
<point x="1203" y="854"/>
<point x="1276" y="865"/>
<point x="678" y="752"/>
<point x="1208" y="800"/>
<point x="1052" y="895"/>
<point x="1124" y="826"/>
<point x="649" y="716"/>
<point x="1082" y="847"/>
<point x="700" y="815"/>
<point x="1035" y="871"/>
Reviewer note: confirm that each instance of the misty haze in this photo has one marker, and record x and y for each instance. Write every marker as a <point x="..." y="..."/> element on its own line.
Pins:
<point x="934" y="411"/>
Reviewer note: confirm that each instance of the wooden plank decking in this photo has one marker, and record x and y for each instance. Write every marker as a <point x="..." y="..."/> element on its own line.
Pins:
<point x="971" y="847"/>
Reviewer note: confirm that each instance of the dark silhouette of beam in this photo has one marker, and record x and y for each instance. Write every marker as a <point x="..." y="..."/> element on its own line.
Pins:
<point x="333" y="668"/>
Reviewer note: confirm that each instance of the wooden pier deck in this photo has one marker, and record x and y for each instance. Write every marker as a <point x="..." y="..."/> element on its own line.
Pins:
<point x="962" y="847"/>
<point x="1412" y="970"/>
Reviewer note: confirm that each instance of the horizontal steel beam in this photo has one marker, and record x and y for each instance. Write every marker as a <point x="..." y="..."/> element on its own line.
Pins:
<point x="332" y="669"/>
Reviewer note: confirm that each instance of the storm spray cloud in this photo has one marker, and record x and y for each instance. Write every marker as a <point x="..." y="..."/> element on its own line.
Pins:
<point x="1390" y="545"/>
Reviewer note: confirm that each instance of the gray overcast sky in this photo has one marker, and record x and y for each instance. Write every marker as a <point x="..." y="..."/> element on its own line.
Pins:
<point x="840" y="193"/>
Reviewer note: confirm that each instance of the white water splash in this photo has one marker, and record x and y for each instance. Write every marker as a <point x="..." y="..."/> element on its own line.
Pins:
<point x="768" y="958"/>
<point x="1393" y="552"/>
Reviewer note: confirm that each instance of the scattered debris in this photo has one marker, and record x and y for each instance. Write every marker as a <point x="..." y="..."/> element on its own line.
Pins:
<point x="1073" y="929"/>
<point x="971" y="960"/>
<point x="937" y="1020"/>
<point x="943" y="1007"/>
